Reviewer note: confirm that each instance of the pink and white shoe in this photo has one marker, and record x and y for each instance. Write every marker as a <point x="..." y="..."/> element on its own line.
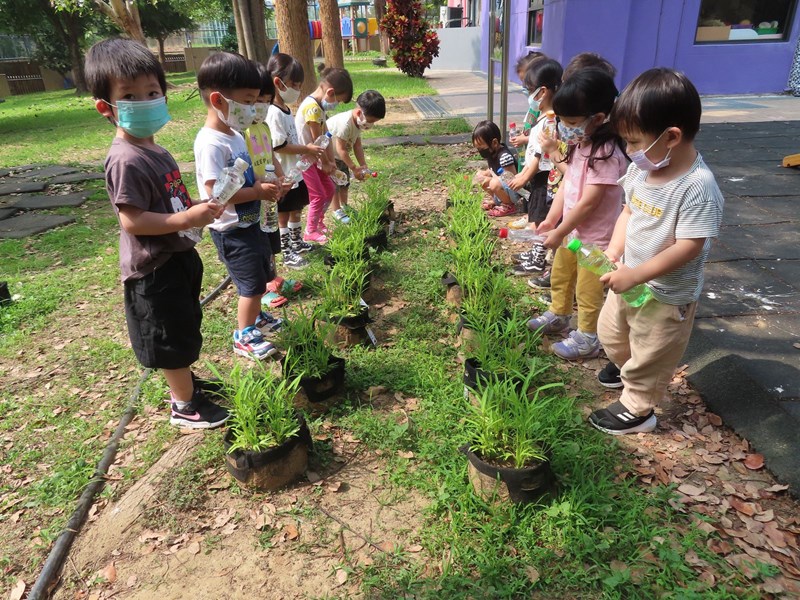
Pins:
<point x="315" y="237"/>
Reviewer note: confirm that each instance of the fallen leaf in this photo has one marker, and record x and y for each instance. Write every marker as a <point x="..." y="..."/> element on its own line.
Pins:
<point x="405" y="454"/>
<point x="341" y="576"/>
<point x="691" y="490"/>
<point x="17" y="591"/>
<point x="131" y="581"/>
<point x="414" y="548"/>
<point x="715" y="420"/>
<point x="713" y="459"/>
<point x="766" y="516"/>
<point x="334" y="486"/>
<point x="109" y="573"/>
<point x="386" y="547"/>
<point x="776" y="488"/>
<point x="754" y="461"/>
<point x="532" y="574"/>
<point x="618" y="565"/>
<point x="747" y="508"/>
<point x="291" y="532"/>
<point x="194" y="548"/>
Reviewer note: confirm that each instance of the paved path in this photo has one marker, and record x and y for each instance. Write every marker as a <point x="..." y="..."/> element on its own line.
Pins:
<point x="744" y="355"/>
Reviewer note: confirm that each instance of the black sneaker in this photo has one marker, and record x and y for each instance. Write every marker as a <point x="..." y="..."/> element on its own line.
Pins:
<point x="522" y="256"/>
<point x="298" y="246"/>
<point x="209" y="386"/>
<point x="542" y="282"/>
<point x="617" y="420"/>
<point x="526" y="268"/>
<point x="267" y="324"/>
<point x="609" y="376"/>
<point x="197" y="415"/>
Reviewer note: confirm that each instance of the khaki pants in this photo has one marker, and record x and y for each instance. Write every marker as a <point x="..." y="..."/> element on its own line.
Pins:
<point x="569" y="282"/>
<point x="646" y="343"/>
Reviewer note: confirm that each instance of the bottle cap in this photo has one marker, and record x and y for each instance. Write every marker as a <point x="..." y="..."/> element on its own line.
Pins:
<point x="574" y="245"/>
<point x="550" y="114"/>
<point x="241" y="165"/>
<point x="503" y="233"/>
<point x="512" y="125"/>
<point x="500" y="171"/>
<point x="328" y="134"/>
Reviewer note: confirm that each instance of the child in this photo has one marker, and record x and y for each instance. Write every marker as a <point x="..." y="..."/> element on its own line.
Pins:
<point x="346" y="130"/>
<point x="543" y="77"/>
<point x="288" y="75"/>
<point x="588" y="204"/>
<point x="334" y="86"/>
<point x="229" y="85"/>
<point x="486" y="138"/>
<point x="531" y="116"/>
<point x="673" y="209"/>
<point x="161" y="271"/>
<point x="259" y="146"/>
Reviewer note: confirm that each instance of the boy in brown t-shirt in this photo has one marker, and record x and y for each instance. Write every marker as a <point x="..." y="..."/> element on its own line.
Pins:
<point x="161" y="271"/>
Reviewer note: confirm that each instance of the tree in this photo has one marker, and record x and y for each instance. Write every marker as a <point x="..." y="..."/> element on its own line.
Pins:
<point x="414" y="44"/>
<point x="291" y="17"/>
<point x="161" y="20"/>
<point x="331" y="33"/>
<point x="380" y="12"/>
<point x="251" y="29"/>
<point x="123" y="13"/>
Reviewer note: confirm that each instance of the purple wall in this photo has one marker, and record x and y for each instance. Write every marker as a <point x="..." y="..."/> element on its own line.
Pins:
<point x="635" y="35"/>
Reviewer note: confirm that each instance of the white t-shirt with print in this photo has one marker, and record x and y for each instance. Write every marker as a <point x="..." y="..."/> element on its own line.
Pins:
<point x="343" y="127"/>
<point x="534" y="148"/>
<point x="281" y="126"/>
<point x="214" y="151"/>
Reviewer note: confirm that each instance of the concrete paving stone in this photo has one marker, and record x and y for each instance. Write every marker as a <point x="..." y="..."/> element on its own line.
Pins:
<point x="43" y="202"/>
<point x="77" y="177"/>
<point x="720" y="252"/>
<point x="7" y="212"/>
<point x="785" y="208"/>
<point x="29" y="224"/>
<point x="787" y="271"/>
<point x="46" y="172"/>
<point x="18" y="187"/>
<point x="741" y="211"/>
<point x="4" y="172"/>
<point x="761" y="186"/>
<point x="725" y="171"/>
<point x="744" y="287"/>
<point x="779" y="240"/>
<point x="737" y="156"/>
<point x="28" y="167"/>
<point x="748" y="130"/>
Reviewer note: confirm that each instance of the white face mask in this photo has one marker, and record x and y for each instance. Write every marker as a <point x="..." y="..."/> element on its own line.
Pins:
<point x="240" y="116"/>
<point x="362" y="123"/>
<point x="639" y="157"/>
<point x="289" y="95"/>
<point x="261" y="109"/>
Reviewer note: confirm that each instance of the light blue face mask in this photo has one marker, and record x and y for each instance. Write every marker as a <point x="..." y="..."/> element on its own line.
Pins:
<point x="533" y="103"/>
<point x="142" y="118"/>
<point x="326" y="106"/>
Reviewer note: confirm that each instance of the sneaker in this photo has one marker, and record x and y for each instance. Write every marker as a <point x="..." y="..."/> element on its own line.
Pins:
<point x="293" y="260"/>
<point x="527" y="267"/>
<point x="207" y="386"/>
<point x="538" y="256"/>
<point x="520" y="223"/>
<point x="609" y="376"/>
<point x="577" y="345"/>
<point x="315" y="236"/>
<point x="618" y="420"/>
<point x="286" y="243"/>
<point x="267" y="324"/>
<point x="550" y="323"/>
<point x="296" y="243"/>
<point x="522" y="256"/>
<point x="197" y="415"/>
<point x="542" y="282"/>
<point x="250" y="343"/>
<point x="341" y="216"/>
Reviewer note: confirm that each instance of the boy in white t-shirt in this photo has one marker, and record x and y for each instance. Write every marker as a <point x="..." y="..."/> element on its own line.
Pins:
<point x="345" y="129"/>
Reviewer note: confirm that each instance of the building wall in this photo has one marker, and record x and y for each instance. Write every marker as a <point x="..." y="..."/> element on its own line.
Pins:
<point x="635" y="35"/>
<point x="459" y="49"/>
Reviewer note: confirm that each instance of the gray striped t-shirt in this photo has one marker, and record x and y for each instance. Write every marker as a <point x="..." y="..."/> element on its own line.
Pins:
<point x="688" y="207"/>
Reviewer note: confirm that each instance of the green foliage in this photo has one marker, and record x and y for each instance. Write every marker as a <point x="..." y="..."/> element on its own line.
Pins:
<point x="343" y="288"/>
<point x="414" y="44"/>
<point x="304" y="339"/>
<point x="163" y="18"/>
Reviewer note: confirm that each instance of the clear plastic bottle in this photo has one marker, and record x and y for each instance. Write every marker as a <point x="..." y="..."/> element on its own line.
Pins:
<point x="295" y="174"/>
<point x="520" y="235"/>
<point x="549" y="131"/>
<point x="507" y="177"/>
<point x="367" y="172"/>
<point x="323" y="142"/>
<point x="513" y="130"/>
<point x="593" y="258"/>
<point x="229" y="182"/>
<point x="269" y="210"/>
<point x="340" y="178"/>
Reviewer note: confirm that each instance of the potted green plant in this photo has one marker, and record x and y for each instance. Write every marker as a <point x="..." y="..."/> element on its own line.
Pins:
<point x="510" y="429"/>
<point x="309" y="357"/>
<point x="267" y="442"/>
<point x="342" y="303"/>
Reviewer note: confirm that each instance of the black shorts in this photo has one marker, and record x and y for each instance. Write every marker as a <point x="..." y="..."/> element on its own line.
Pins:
<point x="163" y="313"/>
<point x="295" y="199"/>
<point x="246" y="253"/>
<point x="344" y="169"/>
<point x="538" y="203"/>
<point x="275" y="242"/>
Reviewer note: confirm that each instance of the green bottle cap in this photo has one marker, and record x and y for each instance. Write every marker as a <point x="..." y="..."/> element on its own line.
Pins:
<point x="574" y="245"/>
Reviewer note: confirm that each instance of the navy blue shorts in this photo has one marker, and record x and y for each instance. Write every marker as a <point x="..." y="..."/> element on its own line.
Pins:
<point x="163" y="313"/>
<point x="295" y="199"/>
<point x="247" y="254"/>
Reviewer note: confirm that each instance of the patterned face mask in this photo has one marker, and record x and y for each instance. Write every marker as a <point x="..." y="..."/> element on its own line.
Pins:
<point x="240" y="116"/>
<point x="573" y="135"/>
<point x="261" y="109"/>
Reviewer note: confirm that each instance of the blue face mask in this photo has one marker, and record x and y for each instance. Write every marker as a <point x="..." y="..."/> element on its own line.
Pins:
<point x="142" y="119"/>
<point x="573" y="135"/>
<point x="533" y="103"/>
<point x="326" y="106"/>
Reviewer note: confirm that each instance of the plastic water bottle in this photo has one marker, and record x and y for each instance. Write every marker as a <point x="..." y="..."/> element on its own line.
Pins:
<point x="269" y="210"/>
<point x="340" y="178"/>
<point x="513" y="130"/>
<point x="520" y="235"/>
<point x="366" y="171"/>
<point x="295" y="174"/>
<point x="593" y="258"/>
<point x="229" y="182"/>
<point x="507" y="177"/>
<point x="323" y="142"/>
<point x="549" y="131"/>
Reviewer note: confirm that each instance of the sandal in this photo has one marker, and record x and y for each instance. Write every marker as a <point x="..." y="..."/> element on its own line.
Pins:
<point x="504" y="210"/>
<point x="488" y="204"/>
<point x="273" y="300"/>
<point x="282" y="286"/>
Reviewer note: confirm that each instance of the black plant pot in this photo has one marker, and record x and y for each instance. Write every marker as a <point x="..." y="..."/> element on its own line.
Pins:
<point x="359" y="321"/>
<point x="379" y="241"/>
<point x="474" y="376"/>
<point x="5" y="295"/>
<point x="271" y="469"/>
<point x="379" y="62"/>
<point x="328" y="385"/>
<point x="389" y="214"/>
<point x="522" y="486"/>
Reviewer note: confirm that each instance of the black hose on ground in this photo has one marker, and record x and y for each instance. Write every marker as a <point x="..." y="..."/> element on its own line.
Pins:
<point x="58" y="554"/>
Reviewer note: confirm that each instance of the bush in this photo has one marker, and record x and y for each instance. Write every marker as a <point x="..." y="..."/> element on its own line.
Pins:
<point x="413" y="43"/>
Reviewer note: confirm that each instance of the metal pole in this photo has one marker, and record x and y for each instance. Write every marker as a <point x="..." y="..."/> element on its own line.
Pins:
<point x="490" y="65"/>
<point x="504" y="66"/>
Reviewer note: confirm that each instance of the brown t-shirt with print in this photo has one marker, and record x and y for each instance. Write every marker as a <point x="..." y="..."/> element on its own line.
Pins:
<point x="147" y="178"/>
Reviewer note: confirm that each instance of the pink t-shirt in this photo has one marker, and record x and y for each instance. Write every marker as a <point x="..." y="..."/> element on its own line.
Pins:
<point x="599" y="226"/>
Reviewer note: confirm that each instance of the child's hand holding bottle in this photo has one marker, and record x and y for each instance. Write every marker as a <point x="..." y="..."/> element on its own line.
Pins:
<point x="203" y="213"/>
<point x="269" y="191"/>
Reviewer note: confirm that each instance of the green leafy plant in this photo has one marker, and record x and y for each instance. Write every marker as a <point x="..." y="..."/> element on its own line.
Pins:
<point x="343" y="289"/>
<point x="486" y="298"/>
<point x="507" y="346"/>
<point x="262" y="412"/>
<point x="413" y="42"/>
<point x="304" y="338"/>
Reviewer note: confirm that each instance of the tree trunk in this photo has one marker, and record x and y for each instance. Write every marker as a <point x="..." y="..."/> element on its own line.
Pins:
<point x="74" y="36"/>
<point x="162" y="57"/>
<point x="380" y="12"/>
<point x="331" y="33"/>
<point x="292" y="20"/>
<point x="237" y="21"/>
<point x="259" y="20"/>
<point x="125" y="15"/>
<point x="243" y="8"/>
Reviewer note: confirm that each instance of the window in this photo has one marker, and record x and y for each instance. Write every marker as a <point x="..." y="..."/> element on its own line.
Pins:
<point x="535" y="21"/>
<point x="744" y="20"/>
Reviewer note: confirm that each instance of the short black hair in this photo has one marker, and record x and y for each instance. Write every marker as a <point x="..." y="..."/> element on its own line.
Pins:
<point x="267" y="85"/>
<point x="225" y="72"/>
<point x="543" y="73"/>
<point x="657" y="99"/>
<point x="585" y="60"/>
<point x="118" y="58"/>
<point x="339" y="80"/>
<point x="286" y="68"/>
<point x="372" y="103"/>
<point x="523" y="61"/>
<point x="487" y="131"/>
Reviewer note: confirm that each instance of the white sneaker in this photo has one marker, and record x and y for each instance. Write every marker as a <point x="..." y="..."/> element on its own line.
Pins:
<point x="520" y="223"/>
<point x="341" y="216"/>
